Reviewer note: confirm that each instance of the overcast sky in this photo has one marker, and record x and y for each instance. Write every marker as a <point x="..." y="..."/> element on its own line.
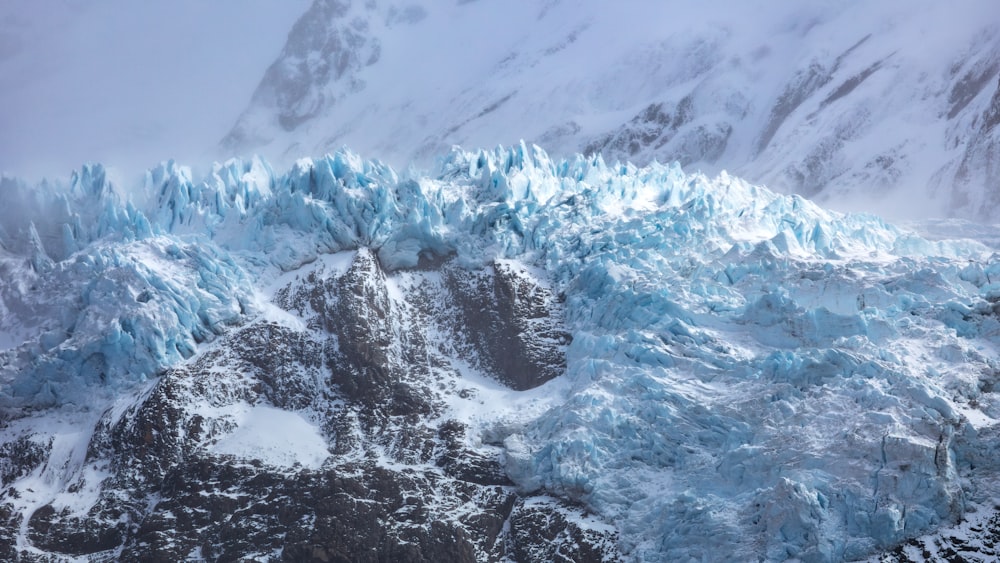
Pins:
<point x="128" y="82"/>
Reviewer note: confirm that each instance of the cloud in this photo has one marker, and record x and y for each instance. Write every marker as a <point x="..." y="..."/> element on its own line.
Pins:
<point x="129" y="83"/>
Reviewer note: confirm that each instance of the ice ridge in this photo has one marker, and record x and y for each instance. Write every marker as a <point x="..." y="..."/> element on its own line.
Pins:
<point x="715" y="324"/>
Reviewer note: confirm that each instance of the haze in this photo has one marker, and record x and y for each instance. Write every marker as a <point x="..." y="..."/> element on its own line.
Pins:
<point x="128" y="83"/>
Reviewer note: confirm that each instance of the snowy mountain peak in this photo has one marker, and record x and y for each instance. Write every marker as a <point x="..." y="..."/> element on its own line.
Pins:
<point x="855" y="104"/>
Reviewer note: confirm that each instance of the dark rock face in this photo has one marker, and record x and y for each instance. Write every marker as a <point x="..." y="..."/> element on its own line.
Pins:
<point x="372" y="371"/>
<point x="60" y="532"/>
<point x="980" y="162"/>
<point x="655" y="130"/>
<point x="9" y="523"/>
<point x="979" y="542"/>
<point x="561" y="540"/>
<point x="20" y="457"/>
<point x="513" y="321"/>
<point x="355" y="311"/>
<point x="353" y="512"/>
<point x="653" y="126"/>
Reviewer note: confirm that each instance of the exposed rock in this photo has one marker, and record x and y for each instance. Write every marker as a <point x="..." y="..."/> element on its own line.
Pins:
<point x="399" y="483"/>
<point x="514" y="319"/>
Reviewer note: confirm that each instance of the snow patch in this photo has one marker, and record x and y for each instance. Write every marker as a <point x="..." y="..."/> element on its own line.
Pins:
<point x="273" y="436"/>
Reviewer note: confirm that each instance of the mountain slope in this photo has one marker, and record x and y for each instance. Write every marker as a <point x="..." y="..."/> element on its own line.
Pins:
<point x="856" y="104"/>
<point x="515" y="359"/>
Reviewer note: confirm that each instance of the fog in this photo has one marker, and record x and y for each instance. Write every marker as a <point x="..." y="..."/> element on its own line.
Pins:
<point x="130" y="83"/>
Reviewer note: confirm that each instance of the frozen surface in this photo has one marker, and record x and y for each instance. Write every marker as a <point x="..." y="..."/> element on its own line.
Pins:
<point x="864" y="105"/>
<point x="750" y="374"/>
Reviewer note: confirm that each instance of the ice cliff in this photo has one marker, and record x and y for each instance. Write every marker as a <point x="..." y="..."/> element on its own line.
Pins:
<point x="745" y="374"/>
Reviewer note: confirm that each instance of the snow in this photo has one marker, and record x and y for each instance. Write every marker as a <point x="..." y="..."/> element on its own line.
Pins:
<point x="273" y="436"/>
<point x="772" y="92"/>
<point x="970" y="540"/>
<point x="118" y="315"/>
<point x="562" y="74"/>
<point x="749" y="373"/>
<point x="68" y="432"/>
<point x="494" y="411"/>
<point x="334" y="265"/>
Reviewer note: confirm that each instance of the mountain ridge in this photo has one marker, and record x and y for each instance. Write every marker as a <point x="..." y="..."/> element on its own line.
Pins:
<point x="857" y="106"/>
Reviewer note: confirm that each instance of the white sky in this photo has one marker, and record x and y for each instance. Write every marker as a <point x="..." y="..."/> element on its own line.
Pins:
<point x="128" y="82"/>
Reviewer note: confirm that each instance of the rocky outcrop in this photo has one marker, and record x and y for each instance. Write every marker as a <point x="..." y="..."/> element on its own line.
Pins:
<point x="319" y="65"/>
<point x="513" y="320"/>
<point x="367" y="368"/>
<point x="980" y="161"/>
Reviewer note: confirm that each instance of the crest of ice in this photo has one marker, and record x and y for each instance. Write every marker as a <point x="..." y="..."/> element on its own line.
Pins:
<point x="749" y="373"/>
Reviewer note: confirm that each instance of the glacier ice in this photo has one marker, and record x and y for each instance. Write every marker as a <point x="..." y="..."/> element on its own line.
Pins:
<point x="748" y="373"/>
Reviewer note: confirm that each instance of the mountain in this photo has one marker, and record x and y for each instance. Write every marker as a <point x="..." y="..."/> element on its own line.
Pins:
<point x="515" y="358"/>
<point x="858" y="105"/>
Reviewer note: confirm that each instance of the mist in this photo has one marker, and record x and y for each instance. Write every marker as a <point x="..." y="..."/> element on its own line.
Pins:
<point x="128" y="83"/>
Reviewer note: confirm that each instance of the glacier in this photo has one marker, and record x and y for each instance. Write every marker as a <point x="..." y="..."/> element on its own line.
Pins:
<point x="748" y="374"/>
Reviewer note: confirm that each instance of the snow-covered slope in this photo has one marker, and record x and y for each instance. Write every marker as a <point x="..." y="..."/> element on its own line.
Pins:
<point x="514" y="358"/>
<point x="887" y="106"/>
<point x="857" y="103"/>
